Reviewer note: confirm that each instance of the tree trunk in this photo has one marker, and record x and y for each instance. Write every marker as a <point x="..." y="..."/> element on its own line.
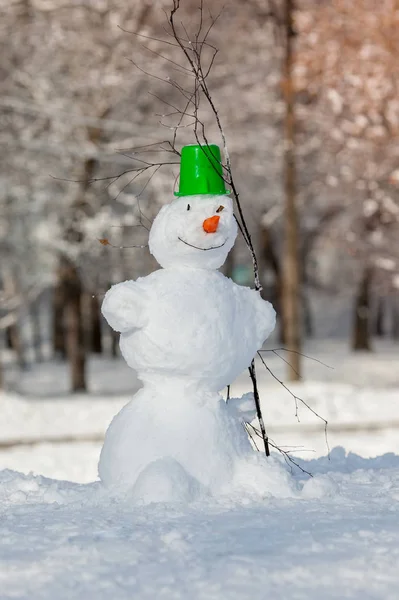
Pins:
<point x="36" y="332"/>
<point x="395" y="320"/>
<point x="72" y="294"/>
<point x="361" y="320"/>
<point x="71" y="284"/>
<point x="8" y="338"/>
<point x="228" y="267"/>
<point x="114" y="343"/>
<point x="16" y="344"/>
<point x="307" y="315"/>
<point x="291" y="288"/>
<point x="114" y="338"/>
<point x="270" y="258"/>
<point x="59" y="347"/>
<point x="95" y="326"/>
<point x="379" y="317"/>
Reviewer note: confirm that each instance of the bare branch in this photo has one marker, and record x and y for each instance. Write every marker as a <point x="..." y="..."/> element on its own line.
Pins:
<point x="296" y="400"/>
<point x="274" y="350"/>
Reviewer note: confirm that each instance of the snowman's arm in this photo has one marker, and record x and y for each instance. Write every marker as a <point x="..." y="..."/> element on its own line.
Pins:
<point x="266" y="315"/>
<point x="262" y="311"/>
<point x="243" y="408"/>
<point x="124" y="306"/>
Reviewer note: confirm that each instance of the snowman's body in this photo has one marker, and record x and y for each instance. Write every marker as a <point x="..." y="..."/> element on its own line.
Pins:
<point x="188" y="331"/>
<point x="192" y="319"/>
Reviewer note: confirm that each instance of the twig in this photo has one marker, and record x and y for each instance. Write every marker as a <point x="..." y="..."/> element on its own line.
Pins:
<point x="298" y="399"/>
<point x="106" y="242"/>
<point x="274" y="350"/>
<point x="285" y="453"/>
<point x="287" y="362"/>
<point x="252" y="374"/>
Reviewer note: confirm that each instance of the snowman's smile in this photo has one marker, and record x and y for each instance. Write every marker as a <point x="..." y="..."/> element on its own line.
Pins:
<point x="199" y="248"/>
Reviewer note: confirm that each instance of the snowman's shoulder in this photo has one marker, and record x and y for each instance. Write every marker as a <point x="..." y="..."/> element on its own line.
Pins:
<point x="124" y="289"/>
<point x="146" y="286"/>
<point x="224" y="285"/>
<point x="242" y="292"/>
<point x="223" y="281"/>
<point x="157" y="282"/>
<point x="179" y="279"/>
<point x="258" y="303"/>
<point x="256" y="308"/>
<point x="153" y="278"/>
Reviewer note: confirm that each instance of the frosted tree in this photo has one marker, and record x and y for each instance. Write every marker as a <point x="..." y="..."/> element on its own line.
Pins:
<point x="348" y="68"/>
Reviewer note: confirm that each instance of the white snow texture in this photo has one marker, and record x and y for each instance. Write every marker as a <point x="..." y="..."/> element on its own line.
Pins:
<point x="188" y="331"/>
<point x="338" y="538"/>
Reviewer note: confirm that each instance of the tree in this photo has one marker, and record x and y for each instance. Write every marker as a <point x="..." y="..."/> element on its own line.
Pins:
<point x="291" y="288"/>
<point x="348" y="69"/>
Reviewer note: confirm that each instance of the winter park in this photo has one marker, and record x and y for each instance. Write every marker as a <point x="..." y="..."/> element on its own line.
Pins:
<point x="199" y="300"/>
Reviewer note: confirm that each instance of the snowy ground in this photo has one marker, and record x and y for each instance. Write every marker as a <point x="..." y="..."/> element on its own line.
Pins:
<point x="334" y="536"/>
<point x="338" y="538"/>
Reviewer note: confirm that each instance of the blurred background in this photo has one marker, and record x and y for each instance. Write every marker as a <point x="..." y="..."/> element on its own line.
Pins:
<point x="94" y="102"/>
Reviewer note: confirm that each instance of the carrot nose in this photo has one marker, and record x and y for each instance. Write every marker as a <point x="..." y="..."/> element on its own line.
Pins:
<point x="210" y="225"/>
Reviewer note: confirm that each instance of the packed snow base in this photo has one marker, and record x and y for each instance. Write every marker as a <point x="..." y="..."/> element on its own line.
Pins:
<point x="188" y="331"/>
<point x="334" y="536"/>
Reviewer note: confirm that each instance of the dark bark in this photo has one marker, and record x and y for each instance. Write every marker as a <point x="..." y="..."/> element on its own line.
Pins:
<point x="291" y="287"/>
<point x="16" y="345"/>
<point x="228" y="267"/>
<point x="8" y="338"/>
<point x="73" y="319"/>
<point x="36" y="332"/>
<point x="96" y="345"/>
<point x="114" y="343"/>
<point x="361" y="317"/>
<point x="270" y="259"/>
<point x="379" y="319"/>
<point x="114" y="338"/>
<point x="307" y="315"/>
<point x="395" y="320"/>
<point x="59" y="346"/>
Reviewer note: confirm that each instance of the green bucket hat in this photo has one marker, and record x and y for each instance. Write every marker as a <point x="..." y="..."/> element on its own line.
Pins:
<point x="201" y="171"/>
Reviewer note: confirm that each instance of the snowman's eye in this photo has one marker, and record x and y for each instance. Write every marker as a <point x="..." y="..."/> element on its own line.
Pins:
<point x="188" y="207"/>
<point x="220" y="208"/>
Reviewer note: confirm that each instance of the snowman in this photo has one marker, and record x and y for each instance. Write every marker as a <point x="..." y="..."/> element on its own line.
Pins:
<point x="188" y="331"/>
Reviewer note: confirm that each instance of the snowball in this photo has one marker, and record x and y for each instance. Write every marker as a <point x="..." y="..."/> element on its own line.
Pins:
<point x="165" y="480"/>
<point x="258" y="476"/>
<point x="122" y="306"/>
<point x="244" y="407"/>
<point x="320" y="486"/>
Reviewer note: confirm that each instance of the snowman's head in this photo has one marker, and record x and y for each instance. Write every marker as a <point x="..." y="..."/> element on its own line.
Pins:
<point x="194" y="232"/>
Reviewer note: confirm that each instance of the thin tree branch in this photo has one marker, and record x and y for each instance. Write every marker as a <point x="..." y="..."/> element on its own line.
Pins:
<point x="296" y="400"/>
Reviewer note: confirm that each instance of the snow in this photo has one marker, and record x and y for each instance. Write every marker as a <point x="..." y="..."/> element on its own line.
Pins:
<point x="338" y="538"/>
<point x="55" y="417"/>
<point x="335" y="536"/>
